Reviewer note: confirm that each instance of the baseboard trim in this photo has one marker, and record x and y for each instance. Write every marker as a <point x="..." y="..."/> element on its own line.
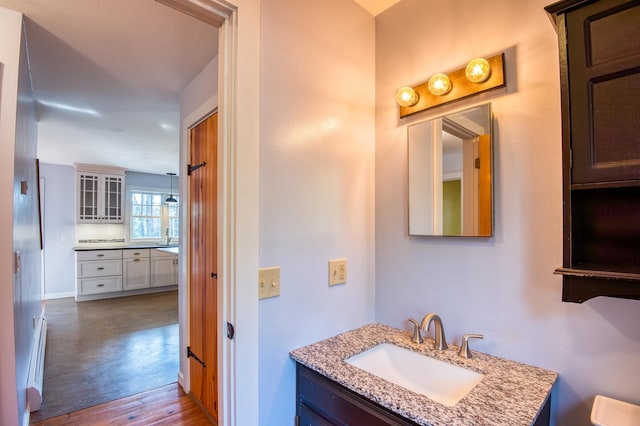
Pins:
<point x="181" y="382"/>
<point x="61" y="295"/>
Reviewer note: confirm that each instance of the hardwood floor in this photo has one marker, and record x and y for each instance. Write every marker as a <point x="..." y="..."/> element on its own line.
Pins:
<point x="102" y="350"/>
<point x="168" y="405"/>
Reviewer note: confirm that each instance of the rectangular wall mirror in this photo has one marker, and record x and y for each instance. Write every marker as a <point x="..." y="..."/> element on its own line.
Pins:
<point x="451" y="176"/>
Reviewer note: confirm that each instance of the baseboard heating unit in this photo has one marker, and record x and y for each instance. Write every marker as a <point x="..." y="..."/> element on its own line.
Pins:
<point x="36" y="365"/>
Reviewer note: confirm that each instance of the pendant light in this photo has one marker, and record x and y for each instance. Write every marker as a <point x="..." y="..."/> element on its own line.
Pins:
<point x="171" y="198"/>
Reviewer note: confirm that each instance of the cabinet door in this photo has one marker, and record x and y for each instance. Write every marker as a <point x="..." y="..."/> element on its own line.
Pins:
<point x="604" y="64"/>
<point x="322" y="402"/>
<point x="88" y="189"/>
<point x="100" y="198"/>
<point x="136" y="273"/>
<point x="112" y="198"/>
<point x="308" y="417"/>
<point x="164" y="271"/>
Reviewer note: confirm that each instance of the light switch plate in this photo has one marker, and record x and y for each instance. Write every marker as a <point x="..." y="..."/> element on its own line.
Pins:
<point x="337" y="271"/>
<point x="268" y="282"/>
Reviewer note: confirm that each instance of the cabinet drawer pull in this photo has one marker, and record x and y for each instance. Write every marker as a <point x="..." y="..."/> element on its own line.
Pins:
<point x="136" y="254"/>
<point x="100" y="255"/>
<point x="100" y="268"/>
<point x="136" y="260"/>
<point x="100" y="285"/>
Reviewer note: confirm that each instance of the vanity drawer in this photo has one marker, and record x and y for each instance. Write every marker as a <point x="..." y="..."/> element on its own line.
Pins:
<point x="99" y="285"/>
<point x="98" y="255"/>
<point x="99" y="269"/>
<point x="135" y="253"/>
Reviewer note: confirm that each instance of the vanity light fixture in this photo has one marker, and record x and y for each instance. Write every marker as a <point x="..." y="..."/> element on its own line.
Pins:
<point x="478" y="70"/>
<point x="478" y="76"/>
<point x="406" y="96"/>
<point x="171" y="198"/>
<point x="439" y="84"/>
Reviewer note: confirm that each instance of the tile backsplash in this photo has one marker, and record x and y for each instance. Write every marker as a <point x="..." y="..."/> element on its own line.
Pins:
<point x="100" y="233"/>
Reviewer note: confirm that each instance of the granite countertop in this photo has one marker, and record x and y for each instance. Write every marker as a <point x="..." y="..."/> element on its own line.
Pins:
<point x="510" y="393"/>
<point x="121" y="246"/>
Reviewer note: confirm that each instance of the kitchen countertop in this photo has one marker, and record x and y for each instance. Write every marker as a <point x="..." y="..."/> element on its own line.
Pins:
<point x="90" y="247"/>
<point x="510" y="393"/>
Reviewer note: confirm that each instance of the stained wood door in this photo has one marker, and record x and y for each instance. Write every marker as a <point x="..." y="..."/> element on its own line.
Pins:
<point x="203" y="267"/>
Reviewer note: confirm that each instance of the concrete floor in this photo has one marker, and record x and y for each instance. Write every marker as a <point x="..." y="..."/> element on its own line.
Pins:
<point x="102" y="350"/>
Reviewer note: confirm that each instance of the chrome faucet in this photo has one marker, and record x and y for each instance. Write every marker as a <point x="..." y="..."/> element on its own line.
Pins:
<point x="440" y="343"/>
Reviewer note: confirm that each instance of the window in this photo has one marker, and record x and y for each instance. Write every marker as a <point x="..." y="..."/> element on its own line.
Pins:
<point x="151" y="217"/>
<point x="172" y="216"/>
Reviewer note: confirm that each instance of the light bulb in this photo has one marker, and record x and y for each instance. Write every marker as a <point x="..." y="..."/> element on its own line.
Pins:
<point x="439" y="84"/>
<point x="406" y="97"/>
<point x="478" y="70"/>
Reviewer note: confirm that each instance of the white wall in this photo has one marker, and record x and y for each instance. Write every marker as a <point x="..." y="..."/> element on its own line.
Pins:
<point x="200" y="90"/>
<point x="59" y="221"/>
<point x="19" y="225"/>
<point x="26" y="230"/>
<point x="316" y="181"/>
<point x="502" y="287"/>
<point x="10" y="27"/>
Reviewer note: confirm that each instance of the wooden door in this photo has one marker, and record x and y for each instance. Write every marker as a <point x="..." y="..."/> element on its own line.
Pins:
<point x="202" y="295"/>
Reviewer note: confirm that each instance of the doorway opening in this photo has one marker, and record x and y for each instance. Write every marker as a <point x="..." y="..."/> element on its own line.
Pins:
<point x="238" y="253"/>
<point x="170" y="339"/>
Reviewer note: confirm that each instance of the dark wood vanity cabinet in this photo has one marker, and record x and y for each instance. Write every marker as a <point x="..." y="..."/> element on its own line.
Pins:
<point x="599" y="43"/>
<point x="322" y="402"/>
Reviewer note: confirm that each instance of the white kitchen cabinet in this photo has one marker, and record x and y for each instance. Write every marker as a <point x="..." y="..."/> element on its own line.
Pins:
<point x="98" y="271"/>
<point x="123" y="272"/>
<point x="164" y="268"/>
<point x="135" y="268"/>
<point x="100" y="195"/>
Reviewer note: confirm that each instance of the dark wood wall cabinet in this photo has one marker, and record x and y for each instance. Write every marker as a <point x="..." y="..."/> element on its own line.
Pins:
<point x="599" y="44"/>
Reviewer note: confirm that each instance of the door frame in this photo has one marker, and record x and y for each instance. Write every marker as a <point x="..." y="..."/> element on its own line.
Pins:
<point x="238" y="239"/>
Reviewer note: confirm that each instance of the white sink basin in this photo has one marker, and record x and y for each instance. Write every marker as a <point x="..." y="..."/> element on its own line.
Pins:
<point x="443" y="382"/>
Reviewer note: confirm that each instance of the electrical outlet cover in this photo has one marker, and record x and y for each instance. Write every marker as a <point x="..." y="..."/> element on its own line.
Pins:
<point x="337" y="271"/>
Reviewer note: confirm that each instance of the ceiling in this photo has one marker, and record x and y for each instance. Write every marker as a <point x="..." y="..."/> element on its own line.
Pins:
<point x="375" y="7"/>
<point x="107" y="77"/>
